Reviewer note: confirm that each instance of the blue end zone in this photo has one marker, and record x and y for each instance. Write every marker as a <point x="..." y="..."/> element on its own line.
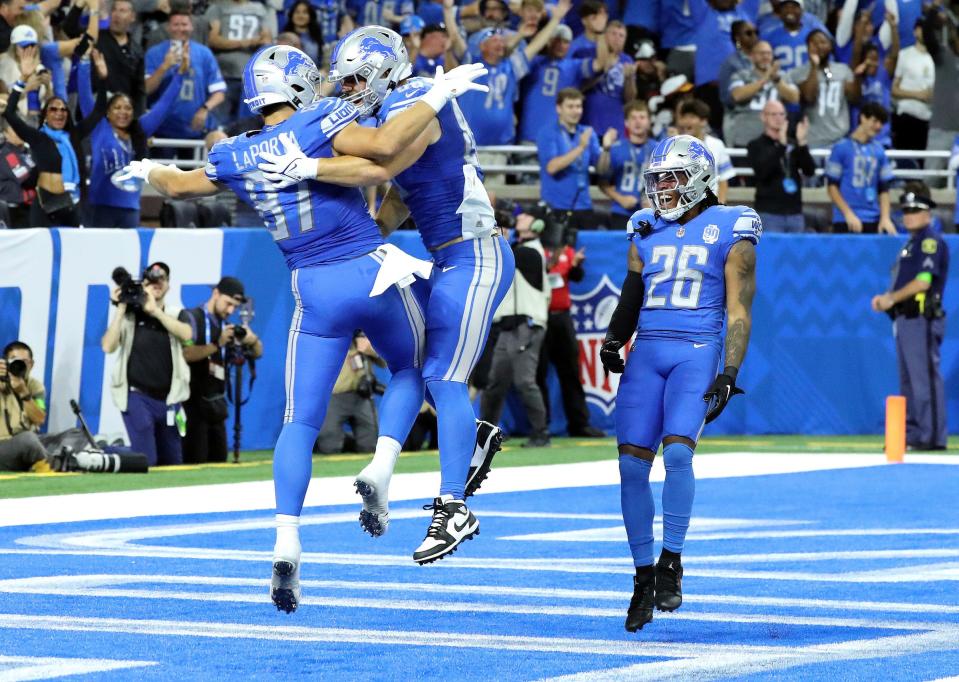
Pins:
<point x="846" y="574"/>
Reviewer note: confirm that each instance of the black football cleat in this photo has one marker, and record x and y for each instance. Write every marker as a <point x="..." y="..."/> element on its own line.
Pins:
<point x="641" y="605"/>
<point x="669" y="584"/>
<point x="489" y="441"/>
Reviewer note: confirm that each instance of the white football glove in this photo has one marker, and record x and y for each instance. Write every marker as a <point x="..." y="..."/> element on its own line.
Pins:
<point x="137" y="169"/>
<point x="288" y="168"/>
<point x="447" y="86"/>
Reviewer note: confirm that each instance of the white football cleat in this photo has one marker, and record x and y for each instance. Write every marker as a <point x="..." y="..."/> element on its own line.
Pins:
<point x="452" y="524"/>
<point x="375" y="515"/>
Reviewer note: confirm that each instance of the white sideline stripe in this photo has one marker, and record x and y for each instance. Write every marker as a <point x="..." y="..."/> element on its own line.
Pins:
<point x="614" y="566"/>
<point x="120" y="538"/>
<point x="40" y="584"/>
<point x="617" y="534"/>
<point x="259" y="495"/>
<point x="289" y="633"/>
<point x="729" y="664"/>
<point x="446" y="606"/>
<point x="44" y="667"/>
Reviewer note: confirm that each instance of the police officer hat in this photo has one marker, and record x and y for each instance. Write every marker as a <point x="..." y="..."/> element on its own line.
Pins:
<point x="917" y="201"/>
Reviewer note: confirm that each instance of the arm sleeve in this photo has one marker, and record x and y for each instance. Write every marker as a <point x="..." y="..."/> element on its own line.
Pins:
<point x="625" y="317"/>
<point x="803" y="160"/>
<point x="886" y="177"/>
<point x="835" y="164"/>
<point x="25" y="131"/>
<point x="50" y="57"/>
<point x="151" y="120"/>
<point x="215" y="82"/>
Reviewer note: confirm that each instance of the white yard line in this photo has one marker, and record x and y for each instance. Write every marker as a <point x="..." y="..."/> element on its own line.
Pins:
<point x="17" y="668"/>
<point x="258" y="495"/>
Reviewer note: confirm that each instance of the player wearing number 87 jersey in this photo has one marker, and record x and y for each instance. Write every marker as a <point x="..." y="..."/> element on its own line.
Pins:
<point x="691" y="264"/>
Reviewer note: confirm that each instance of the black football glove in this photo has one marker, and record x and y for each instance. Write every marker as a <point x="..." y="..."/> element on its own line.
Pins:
<point x="610" y="357"/>
<point x="723" y="388"/>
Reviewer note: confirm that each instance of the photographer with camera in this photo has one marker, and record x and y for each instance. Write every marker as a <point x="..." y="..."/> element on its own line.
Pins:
<point x="352" y="401"/>
<point x="151" y="377"/>
<point x="209" y="353"/>
<point x="24" y="410"/>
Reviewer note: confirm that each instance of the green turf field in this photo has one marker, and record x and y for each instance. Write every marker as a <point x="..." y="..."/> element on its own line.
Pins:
<point x="256" y="466"/>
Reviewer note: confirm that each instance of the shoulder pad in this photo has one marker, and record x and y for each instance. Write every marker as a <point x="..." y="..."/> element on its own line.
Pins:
<point x="641" y="223"/>
<point x="747" y="224"/>
<point x="219" y="164"/>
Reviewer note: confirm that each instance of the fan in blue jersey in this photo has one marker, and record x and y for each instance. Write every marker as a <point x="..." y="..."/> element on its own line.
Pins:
<point x="877" y="86"/>
<point x="691" y="264"/>
<point x="343" y="277"/>
<point x="788" y="35"/>
<point x="443" y="192"/>
<point x="549" y="73"/>
<point x="859" y="176"/>
<point x="622" y="165"/>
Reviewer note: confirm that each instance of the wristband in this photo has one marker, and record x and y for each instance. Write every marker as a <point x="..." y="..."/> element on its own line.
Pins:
<point x="731" y="371"/>
<point x="435" y="99"/>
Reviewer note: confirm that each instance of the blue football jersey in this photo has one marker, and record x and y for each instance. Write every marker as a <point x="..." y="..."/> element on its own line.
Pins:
<point x="312" y="222"/>
<point x="547" y="77"/>
<point x="862" y="172"/>
<point x="626" y="163"/>
<point x="444" y="188"/>
<point x="684" y="270"/>
<point x="790" y="48"/>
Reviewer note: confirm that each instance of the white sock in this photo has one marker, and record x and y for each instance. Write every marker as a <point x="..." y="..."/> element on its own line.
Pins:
<point x="384" y="458"/>
<point x="287" y="538"/>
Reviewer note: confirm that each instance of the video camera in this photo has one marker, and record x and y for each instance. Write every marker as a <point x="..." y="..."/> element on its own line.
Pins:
<point x="131" y="290"/>
<point x="16" y="368"/>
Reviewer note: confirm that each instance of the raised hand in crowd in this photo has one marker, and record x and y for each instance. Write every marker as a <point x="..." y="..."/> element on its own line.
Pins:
<point x="802" y="132"/>
<point x="584" y="137"/>
<point x="609" y="137"/>
<point x="29" y="61"/>
<point x="99" y="63"/>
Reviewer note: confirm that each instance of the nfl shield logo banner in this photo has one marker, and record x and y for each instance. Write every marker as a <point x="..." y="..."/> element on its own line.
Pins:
<point x="591" y="313"/>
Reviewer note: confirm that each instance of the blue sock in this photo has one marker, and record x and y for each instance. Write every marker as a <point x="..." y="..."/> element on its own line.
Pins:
<point x="678" y="492"/>
<point x="457" y="434"/>
<point x="636" y="497"/>
<point x="401" y="403"/>
<point x="293" y="466"/>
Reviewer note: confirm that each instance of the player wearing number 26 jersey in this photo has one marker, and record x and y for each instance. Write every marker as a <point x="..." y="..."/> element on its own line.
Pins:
<point x="691" y="268"/>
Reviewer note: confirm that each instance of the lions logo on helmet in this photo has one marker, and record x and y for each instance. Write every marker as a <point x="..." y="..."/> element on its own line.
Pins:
<point x="680" y="167"/>
<point x="376" y="60"/>
<point x="280" y="74"/>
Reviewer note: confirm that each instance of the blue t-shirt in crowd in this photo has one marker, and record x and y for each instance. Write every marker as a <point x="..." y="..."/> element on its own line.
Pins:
<point x="364" y="12"/>
<point x="547" y="77"/>
<point x="198" y="84"/>
<point x="430" y="12"/>
<point x="788" y="47"/>
<point x="568" y="189"/>
<point x="490" y="114"/>
<point x="581" y="47"/>
<point x="678" y="24"/>
<point x="604" y="102"/>
<point x="626" y="162"/>
<point x="909" y="12"/>
<point x="861" y="171"/>
<point x="713" y="35"/>
<point x="643" y="13"/>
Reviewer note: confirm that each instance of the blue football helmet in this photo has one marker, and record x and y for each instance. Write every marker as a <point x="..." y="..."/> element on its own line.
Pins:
<point x="374" y="55"/>
<point x="280" y="74"/>
<point x="685" y="160"/>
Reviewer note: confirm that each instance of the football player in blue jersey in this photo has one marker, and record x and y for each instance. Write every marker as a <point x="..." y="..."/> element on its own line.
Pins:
<point x="691" y="264"/>
<point x="443" y="192"/>
<point x="343" y="277"/>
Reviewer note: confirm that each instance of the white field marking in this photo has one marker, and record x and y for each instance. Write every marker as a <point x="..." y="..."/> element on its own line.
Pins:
<point x="44" y="667"/>
<point x="597" y="565"/>
<point x="617" y="533"/>
<point x="366" y="636"/>
<point x="122" y="537"/>
<point x="42" y="585"/>
<point x="730" y="664"/>
<point x="447" y="606"/>
<point x="947" y="679"/>
<point x="257" y="495"/>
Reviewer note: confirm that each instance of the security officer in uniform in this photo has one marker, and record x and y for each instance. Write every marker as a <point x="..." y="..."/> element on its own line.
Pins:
<point x="915" y="305"/>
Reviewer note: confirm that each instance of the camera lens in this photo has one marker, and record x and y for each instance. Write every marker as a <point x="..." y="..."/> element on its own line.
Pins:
<point x="239" y="333"/>
<point x="17" y="368"/>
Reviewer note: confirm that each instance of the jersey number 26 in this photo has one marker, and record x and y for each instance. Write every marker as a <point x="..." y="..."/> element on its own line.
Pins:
<point x="685" y="273"/>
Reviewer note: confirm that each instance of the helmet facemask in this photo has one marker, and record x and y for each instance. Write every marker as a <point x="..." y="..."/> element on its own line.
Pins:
<point x="689" y="185"/>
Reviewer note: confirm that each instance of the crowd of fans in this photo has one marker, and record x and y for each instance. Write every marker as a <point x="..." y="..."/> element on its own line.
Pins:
<point x="592" y="84"/>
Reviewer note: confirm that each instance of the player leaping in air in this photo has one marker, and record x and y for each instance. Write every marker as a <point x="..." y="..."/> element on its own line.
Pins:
<point x="443" y="191"/>
<point x="691" y="263"/>
<point x="336" y="255"/>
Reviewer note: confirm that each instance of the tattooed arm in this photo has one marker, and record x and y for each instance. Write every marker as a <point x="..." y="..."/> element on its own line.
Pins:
<point x="740" y="288"/>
